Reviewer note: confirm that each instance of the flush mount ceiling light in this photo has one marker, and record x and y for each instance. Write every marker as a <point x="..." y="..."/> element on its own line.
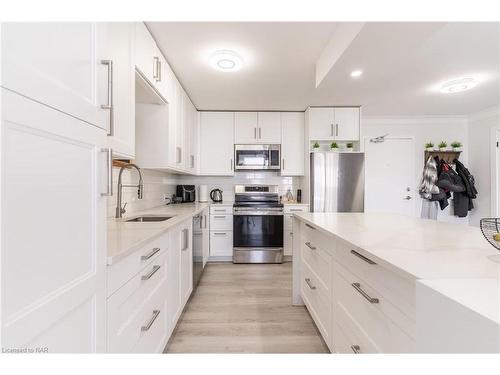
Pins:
<point x="356" y="73"/>
<point x="226" y="61"/>
<point x="458" y="85"/>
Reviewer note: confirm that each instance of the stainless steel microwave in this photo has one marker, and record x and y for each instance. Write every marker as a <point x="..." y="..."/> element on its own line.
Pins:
<point x="257" y="157"/>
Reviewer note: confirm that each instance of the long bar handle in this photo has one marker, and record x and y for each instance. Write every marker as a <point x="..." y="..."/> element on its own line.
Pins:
<point x="308" y="244"/>
<point x="336" y="130"/>
<point x="156" y="59"/>
<point x="153" y="252"/>
<point x="370" y="299"/>
<point x="109" y="163"/>
<point x="260" y="133"/>
<point x="310" y="226"/>
<point x="308" y="282"/>
<point x="151" y="273"/>
<point x="109" y="105"/>
<point x="361" y="256"/>
<point x="283" y="166"/>
<point x="151" y="321"/>
<point x="356" y="349"/>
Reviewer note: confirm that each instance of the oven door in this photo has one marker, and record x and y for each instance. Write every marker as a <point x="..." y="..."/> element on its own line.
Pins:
<point x="257" y="157"/>
<point x="257" y="229"/>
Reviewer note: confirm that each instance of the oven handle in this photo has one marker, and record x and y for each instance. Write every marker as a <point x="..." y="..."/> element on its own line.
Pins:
<point x="258" y="213"/>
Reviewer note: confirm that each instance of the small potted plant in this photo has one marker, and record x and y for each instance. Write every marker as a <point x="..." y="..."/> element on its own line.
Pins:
<point x="456" y="146"/>
<point x="350" y="146"/>
<point x="334" y="146"/>
<point x="442" y="146"/>
<point x="429" y="146"/>
<point x="316" y="146"/>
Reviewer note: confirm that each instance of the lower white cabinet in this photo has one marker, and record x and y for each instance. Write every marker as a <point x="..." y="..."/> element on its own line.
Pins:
<point x="289" y="210"/>
<point x="205" y="235"/>
<point x="221" y="232"/>
<point x="186" y="260"/>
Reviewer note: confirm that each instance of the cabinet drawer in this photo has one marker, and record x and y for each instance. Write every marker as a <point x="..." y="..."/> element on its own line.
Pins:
<point x="375" y="327"/>
<point x="318" y="259"/>
<point x="130" y="307"/>
<point x="343" y="344"/>
<point x="221" y="210"/>
<point x="318" y="300"/>
<point x="119" y="273"/>
<point x="395" y="288"/>
<point x="221" y="243"/>
<point x="221" y="222"/>
<point x="317" y="238"/>
<point x="291" y="209"/>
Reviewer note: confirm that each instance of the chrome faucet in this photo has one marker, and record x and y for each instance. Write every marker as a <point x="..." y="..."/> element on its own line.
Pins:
<point x="140" y="188"/>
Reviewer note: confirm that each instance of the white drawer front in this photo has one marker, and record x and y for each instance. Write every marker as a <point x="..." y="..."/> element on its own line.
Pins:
<point x="318" y="300"/>
<point x="119" y="273"/>
<point x="316" y="238"/>
<point x="221" y="210"/>
<point x="371" y="325"/>
<point x="221" y="222"/>
<point x="221" y="243"/>
<point x="317" y="258"/>
<point x="395" y="288"/>
<point x="288" y="222"/>
<point x="291" y="209"/>
<point x="287" y="241"/>
<point x="129" y="307"/>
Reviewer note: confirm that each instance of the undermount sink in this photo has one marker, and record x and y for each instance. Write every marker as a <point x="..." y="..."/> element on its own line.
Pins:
<point x="145" y="219"/>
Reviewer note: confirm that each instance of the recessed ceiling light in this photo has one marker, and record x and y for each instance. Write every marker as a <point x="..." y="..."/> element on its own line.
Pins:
<point x="458" y="85"/>
<point x="356" y="73"/>
<point x="226" y="61"/>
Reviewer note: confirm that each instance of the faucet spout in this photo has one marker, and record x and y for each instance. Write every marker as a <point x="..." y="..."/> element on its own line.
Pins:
<point x="140" y="189"/>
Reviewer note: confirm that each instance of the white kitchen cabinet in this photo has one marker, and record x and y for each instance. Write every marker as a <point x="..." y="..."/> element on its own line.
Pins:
<point x="54" y="241"/>
<point x="288" y="212"/>
<point x="193" y="139"/>
<point x="246" y="128"/>
<point x="186" y="234"/>
<point x="58" y="64"/>
<point x="292" y="144"/>
<point x="119" y="51"/>
<point x="221" y="232"/>
<point x="205" y="241"/>
<point x="174" y="305"/>
<point x="269" y="131"/>
<point x="217" y="145"/>
<point x="333" y="123"/>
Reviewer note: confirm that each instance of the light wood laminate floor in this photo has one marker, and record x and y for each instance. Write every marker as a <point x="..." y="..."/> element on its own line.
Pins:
<point x="245" y="308"/>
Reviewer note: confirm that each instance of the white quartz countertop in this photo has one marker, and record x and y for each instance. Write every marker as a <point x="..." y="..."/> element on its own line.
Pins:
<point x="126" y="237"/>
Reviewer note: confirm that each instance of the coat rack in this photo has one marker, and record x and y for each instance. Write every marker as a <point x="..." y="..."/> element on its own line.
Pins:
<point x="447" y="156"/>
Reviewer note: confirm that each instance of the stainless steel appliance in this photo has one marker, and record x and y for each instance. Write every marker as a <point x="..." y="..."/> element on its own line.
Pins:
<point x="197" y="243"/>
<point x="257" y="225"/>
<point x="257" y="157"/>
<point x="186" y="192"/>
<point x="216" y="195"/>
<point x="337" y="181"/>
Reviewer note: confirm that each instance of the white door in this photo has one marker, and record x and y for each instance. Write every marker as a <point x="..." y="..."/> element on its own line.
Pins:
<point x="205" y="236"/>
<point x="57" y="64"/>
<point x="186" y="261"/>
<point x="146" y="53"/>
<point x="174" y="299"/>
<point x="217" y="143"/>
<point x="269" y="131"/>
<point x="321" y="124"/>
<point x="245" y="128"/>
<point x="346" y="124"/>
<point x="390" y="176"/>
<point x="292" y="144"/>
<point x="53" y="228"/>
<point x="119" y="49"/>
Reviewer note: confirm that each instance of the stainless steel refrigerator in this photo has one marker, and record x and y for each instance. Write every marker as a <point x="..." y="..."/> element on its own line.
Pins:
<point x="337" y="181"/>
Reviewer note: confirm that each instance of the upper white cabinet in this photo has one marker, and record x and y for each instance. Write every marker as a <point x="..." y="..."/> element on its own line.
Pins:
<point x="257" y="127"/>
<point x="119" y="55"/>
<point x="292" y="143"/>
<point x="217" y="145"/>
<point x="269" y="127"/>
<point x="329" y="123"/>
<point x="59" y="65"/>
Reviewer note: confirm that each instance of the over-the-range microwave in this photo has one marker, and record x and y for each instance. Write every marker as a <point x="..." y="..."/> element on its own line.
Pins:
<point x="257" y="157"/>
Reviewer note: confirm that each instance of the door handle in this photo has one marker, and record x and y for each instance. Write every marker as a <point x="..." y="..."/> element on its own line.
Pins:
<point x="151" y="273"/>
<point x="356" y="349"/>
<point x="308" y="282"/>
<point x="153" y="252"/>
<point x="151" y="321"/>
<point x="407" y="198"/>
<point x="336" y="130"/>
<point x="155" y="67"/>
<point x="109" y="163"/>
<point x="283" y="164"/>
<point x="109" y="104"/>
<point x="255" y="133"/>
<point x="308" y="244"/>
<point x="361" y="256"/>
<point x="370" y="299"/>
<point x="331" y="130"/>
<point x="260" y="133"/>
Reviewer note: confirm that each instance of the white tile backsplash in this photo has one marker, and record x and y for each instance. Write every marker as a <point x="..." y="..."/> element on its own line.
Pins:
<point x="156" y="185"/>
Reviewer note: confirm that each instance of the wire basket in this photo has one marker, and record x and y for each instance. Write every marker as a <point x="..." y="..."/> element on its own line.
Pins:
<point x="491" y="231"/>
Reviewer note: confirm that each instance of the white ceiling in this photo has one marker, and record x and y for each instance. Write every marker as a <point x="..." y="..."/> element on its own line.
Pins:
<point x="401" y="63"/>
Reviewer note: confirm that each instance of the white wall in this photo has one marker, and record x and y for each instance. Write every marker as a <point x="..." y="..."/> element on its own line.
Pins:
<point x="422" y="130"/>
<point x="480" y="161"/>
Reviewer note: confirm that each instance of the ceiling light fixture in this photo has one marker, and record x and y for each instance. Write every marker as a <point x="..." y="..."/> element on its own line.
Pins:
<point x="458" y="85"/>
<point x="356" y="73"/>
<point x="226" y="61"/>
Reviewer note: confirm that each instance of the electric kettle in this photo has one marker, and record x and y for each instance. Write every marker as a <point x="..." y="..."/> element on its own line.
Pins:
<point x="216" y="195"/>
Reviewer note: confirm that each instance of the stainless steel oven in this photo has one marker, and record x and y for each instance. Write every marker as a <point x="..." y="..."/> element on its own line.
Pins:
<point x="257" y="225"/>
<point x="257" y="157"/>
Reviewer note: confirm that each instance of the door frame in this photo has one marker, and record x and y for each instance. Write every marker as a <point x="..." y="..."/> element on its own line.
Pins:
<point x="494" y="165"/>
<point x="411" y="138"/>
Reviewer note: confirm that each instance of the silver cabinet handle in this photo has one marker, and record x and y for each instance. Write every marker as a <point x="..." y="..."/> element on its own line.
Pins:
<point x="407" y="198"/>
<point x="153" y="252"/>
<point x="220" y="233"/>
<point x="336" y="130"/>
<point x="109" y="163"/>
<point x="151" y="273"/>
<point x="206" y="222"/>
<point x="255" y="133"/>
<point x="155" y="67"/>
<point x="331" y="130"/>
<point x="361" y="256"/>
<point x="159" y="70"/>
<point x="231" y="164"/>
<point x="185" y="239"/>
<point x="151" y="321"/>
<point x="283" y="167"/>
<point x="308" y="244"/>
<point x="219" y="210"/>
<point x="219" y="216"/>
<point x="179" y="155"/>
<point x="109" y="104"/>
<point x="295" y="210"/>
<point x="356" y="349"/>
<point x="308" y="282"/>
<point x="260" y="133"/>
<point x="357" y="286"/>
<point x="310" y="226"/>
<point x="192" y="161"/>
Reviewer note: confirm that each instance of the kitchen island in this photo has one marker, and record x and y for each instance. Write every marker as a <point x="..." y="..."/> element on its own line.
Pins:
<point x="390" y="283"/>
